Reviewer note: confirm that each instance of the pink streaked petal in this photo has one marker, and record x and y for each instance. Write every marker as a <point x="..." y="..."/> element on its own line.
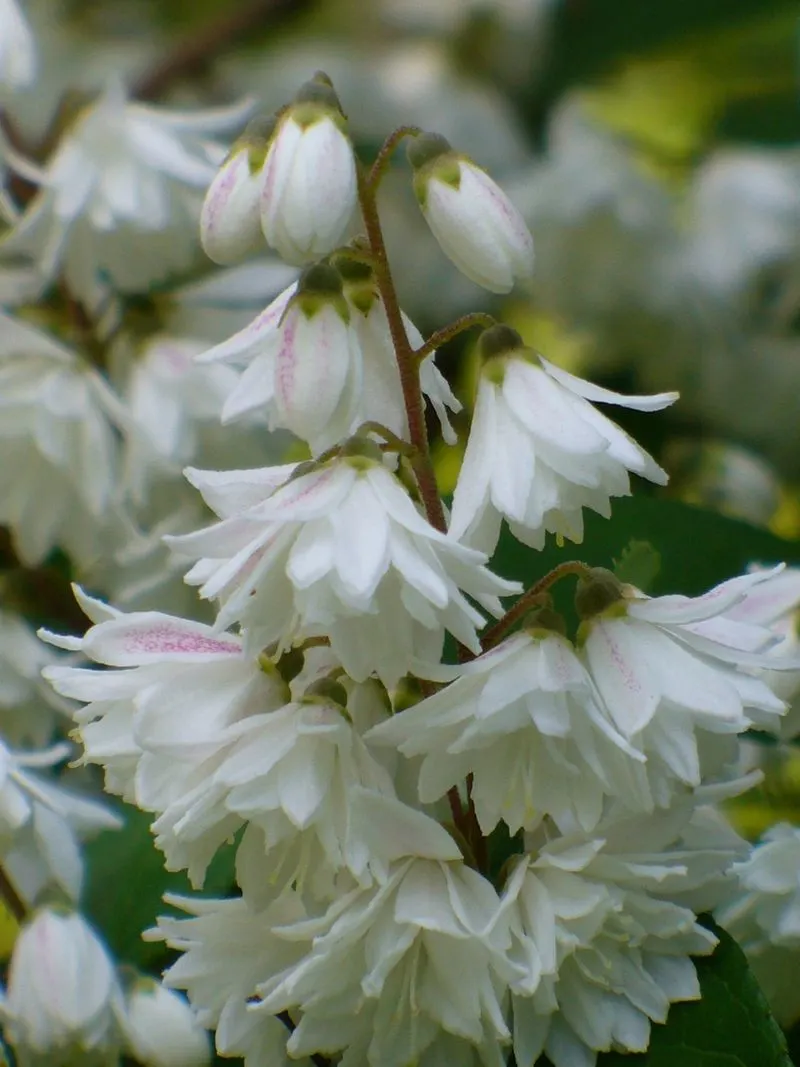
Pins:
<point x="676" y="609"/>
<point x="152" y="637"/>
<point x="255" y="336"/>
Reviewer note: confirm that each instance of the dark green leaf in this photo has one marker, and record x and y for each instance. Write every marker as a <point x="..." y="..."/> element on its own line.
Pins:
<point x="638" y="565"/>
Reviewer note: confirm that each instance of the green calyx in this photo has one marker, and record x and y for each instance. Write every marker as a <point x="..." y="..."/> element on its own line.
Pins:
<point x="358" y="278"/>
<point x="499" y="340"/>
<point x="432" y="157"/>
<point x="544" y="621"/>
<point x="360" y="452"/>
<point x="326" y="691"/>
<point x="256" y="140"/>
<point x="316" y="100"/>
<point x="598" y="592"/>
<point x="320" y="285"/>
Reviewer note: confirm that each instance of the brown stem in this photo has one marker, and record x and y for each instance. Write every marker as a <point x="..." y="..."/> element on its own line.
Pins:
<point x="238" y="22"/>
<point x="496" y="633"/>
<point x="406" y="361"/>
<point x="386" y="151"/>
<point x="16" y="905"/>
<point x="440" y="337"/>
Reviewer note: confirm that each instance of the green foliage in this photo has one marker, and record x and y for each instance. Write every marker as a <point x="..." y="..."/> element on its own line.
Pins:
<point x="638" y="564"/>
<point x="126" y="883"/>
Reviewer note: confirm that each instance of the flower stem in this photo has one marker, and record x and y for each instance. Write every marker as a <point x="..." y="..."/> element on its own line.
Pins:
<point x="14" y="902"/>
<point x="388" y="147"/>
<point x="440" y="337"/>
<point x="494" y="635"/>
<point x="407" y="364"/>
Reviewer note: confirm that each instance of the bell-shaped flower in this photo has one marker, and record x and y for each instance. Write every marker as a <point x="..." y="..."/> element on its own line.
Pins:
<point x="58" y="426"/>
<point x="538" y="452"/>
<point x="167" y="671"/>
<point x="389" y="970"/>
<point x="17" y="49"/>
<point x="62" y="1000"/>
<point x="230" y="223"/>
<point x="670" y="667"/>
<point x="475" y="223"/>
<point x="308" y="182"/>
<point x="42" y="824"/>
<point x="524" y="722"/>
<point x="306" y="368"/>
<point x="340" y="551"/>
<point x="604" y="927"/>
<point x="160" y="1028"/>
<point x="121" y="196"/>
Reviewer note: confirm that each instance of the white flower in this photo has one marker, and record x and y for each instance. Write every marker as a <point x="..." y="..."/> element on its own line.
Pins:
<point x="230" y="225"/>
<point x="227" y="949"/>
<point x="62" y="998"/>
<point x="160" y="1028"/>
<point x="170" y="398"/>
<point x="538" y="451"/>
<point x="387" y="969"/>
<point x="57" y="426"/>
<point x="170" y="671"/>
<point x="306" y="369"/>
<point x="340" y="551"/>
<point x="669" y="667"/>
<point x="17" y="48"/>
<point x="42" y="824"/>
<point x="308" y="183"/>
<point x="29" y="709"/>
<point x="604" y="926"/>
<point x="475" y="223"/>
<point x="121" y="196"/>
<point x="524" y="722"/>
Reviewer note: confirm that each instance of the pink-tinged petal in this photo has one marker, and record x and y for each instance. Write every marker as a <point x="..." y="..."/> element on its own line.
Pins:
<point x="598" y="395"/>
<point x="628" y="693"/>
<point x="311" y="496"/>
<point x="676" y="609"/>
<point x="229" y="219"/>
<point x="250" y="340"/>
<point x="151" y="637"/>
<point x="276" y="175"/>
<point x="769" y="602"/>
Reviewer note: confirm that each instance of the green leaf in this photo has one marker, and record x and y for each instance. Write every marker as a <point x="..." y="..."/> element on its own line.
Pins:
<point x="638" y="565"/>
<point x="730" y="1027"/>
<point x="127" y="880"/>
<point x="697" y="548"/>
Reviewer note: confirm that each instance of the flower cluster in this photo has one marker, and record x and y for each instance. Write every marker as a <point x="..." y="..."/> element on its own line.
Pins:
<point x="356" y="713"/>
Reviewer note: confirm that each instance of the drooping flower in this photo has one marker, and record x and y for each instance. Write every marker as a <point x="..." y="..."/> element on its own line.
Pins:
<point x="308" y="182"/>
<point x="63" y="998"/>
<point x="524" y="722"/>
<point x="538" y="452"/>
<point x="120" y="197"/>
<point x="604" y="925"/>
<point x="340" y="551"/>
<point x="473" y="220"/>
<point x="672" y="667"/>
<point x="58" y="417"/>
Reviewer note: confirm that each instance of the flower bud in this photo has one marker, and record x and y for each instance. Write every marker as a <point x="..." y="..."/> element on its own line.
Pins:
<point x="308" y="184"/>
<point x="62" y="993"/>
<point x="160" y="1028"/>
<point x="475" y="223"/>
<point x="229" y="220"/>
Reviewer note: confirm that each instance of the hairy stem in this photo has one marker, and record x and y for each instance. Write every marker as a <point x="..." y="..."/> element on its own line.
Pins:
<point x="407" y="363"/>
<point x="447" y="333"/>
<point x="387" y="149"/>
<point x="494" y="635"/>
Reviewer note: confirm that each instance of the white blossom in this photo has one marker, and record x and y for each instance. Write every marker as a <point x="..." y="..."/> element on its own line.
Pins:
<point x="668" y="668"/>
<point x="63" y="997"/>
<point x="29" y="709"/>
<point x="230" y="223"/>
<point x="538" y="452"/>
<point x="160" y="1029"/>
<point x="387" y="969"/>
<point x="121" y="195"/>
<point x="308" y="182"/>
<point x="42" y="823"/>
<point x="473" y="220"/>
<point x="17" y="48"/>
<point x="523" y="720"/>
<point x="58" y="480"/>
<point x="604" y="926"/>
<point x="340" y="551"/>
